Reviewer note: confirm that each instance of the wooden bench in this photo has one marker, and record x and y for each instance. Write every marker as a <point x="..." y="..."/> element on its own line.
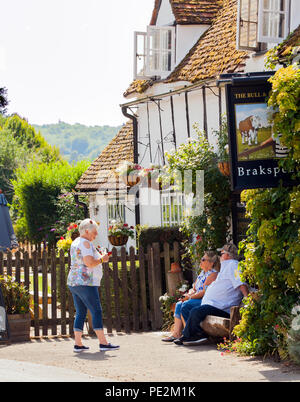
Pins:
<point x="218" y="327"/>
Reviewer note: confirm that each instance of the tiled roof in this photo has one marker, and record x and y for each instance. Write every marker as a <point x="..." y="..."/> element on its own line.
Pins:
<point x="138" y="86"/>
<point x="101" y="171"/>
<point x="195" y="11"/>
<point x="292" y="41"/>
<point x="215" y="52"/>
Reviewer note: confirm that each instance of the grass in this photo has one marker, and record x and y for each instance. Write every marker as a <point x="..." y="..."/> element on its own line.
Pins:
<point x="262" y="135"/>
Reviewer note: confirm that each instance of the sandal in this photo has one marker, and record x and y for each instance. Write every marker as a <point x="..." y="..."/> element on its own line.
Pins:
<point x="169" y="339"/>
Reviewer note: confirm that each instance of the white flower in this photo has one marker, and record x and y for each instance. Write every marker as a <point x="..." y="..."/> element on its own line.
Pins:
<point x="296" y="324"/>
<point x="296" y="310"/>
<point x="163" y="297"/>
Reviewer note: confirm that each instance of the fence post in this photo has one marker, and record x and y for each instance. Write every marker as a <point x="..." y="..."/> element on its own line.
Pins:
<point x="134" y="290"/>
<point x="157" y="285"/>
<point x="45" y="292"/>
<point x="150" y="284"/>
<point x="143" y="309"/>
<point x="125" y="290"/>
<point x="107" y="297"/>
<point x="118" y="323"/>
<point x="35" y="263"/>
<point x="53" y="293"/>
<point x="62" y="292"/>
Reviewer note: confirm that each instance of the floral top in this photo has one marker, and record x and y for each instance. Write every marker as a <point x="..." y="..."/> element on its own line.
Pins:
<point x="202" y="278"/>
<point x="80" y="274"/>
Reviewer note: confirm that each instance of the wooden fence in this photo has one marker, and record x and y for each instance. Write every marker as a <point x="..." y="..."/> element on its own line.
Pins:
<point x="130" y="288"/>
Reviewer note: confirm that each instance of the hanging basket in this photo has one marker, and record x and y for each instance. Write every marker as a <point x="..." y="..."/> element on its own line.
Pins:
<point x="224" y="168"/>
<point x="156" y="185"/>
<point x="131" y="179"/>
<point x="118" y="240"/>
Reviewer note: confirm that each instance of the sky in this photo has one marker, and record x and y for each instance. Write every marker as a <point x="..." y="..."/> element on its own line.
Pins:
<point x="69" y="60"/>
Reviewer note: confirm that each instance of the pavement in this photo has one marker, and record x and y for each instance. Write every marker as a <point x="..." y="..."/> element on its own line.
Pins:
<point x="142" y="357"/>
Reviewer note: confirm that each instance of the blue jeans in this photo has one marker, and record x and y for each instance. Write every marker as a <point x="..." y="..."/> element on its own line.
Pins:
<point x="197" y="315"/>
<point x="184" y="308"/>
<point x="86" y="298"/>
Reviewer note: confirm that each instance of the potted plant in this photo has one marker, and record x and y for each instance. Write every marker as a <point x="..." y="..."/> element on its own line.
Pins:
<point x="168" y="303"/>
<point x="65" y="241"/>
<point x="17" y="302"/>
<point x="119" y="232"/>
<point x="129" y="172"/>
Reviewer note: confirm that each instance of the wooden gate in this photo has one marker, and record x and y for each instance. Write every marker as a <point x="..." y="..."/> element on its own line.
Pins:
<point x="130" y="288"/>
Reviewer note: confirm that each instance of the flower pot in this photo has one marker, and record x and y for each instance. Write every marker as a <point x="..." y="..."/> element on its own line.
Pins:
<point x="175" y="267"/>
<point x="131" y="179"/>
<point x="19" y="327"/>
<point x="224" y="168"/>
<point x="118" y="240"/>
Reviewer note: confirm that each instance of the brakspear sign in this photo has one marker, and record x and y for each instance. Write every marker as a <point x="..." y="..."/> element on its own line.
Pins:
<point x="254" y="149"/>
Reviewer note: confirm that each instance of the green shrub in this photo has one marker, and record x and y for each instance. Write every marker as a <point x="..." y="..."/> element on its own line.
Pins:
<point x="16" y="296"/>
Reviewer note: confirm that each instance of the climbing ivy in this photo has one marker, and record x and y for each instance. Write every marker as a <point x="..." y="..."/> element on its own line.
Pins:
<point x="272" y="246"/>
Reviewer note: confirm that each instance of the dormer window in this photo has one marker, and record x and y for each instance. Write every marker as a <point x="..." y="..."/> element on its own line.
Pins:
<point x="154" y="52"/>
<point x="273" y="20"/>
<point x="261" y="21"/>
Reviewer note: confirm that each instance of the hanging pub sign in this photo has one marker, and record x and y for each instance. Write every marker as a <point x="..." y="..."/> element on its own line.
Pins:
<point x="254" y="149"/>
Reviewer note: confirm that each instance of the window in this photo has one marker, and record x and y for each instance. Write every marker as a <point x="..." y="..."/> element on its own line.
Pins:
<point x="172" y="208"/>
<point x="154" y="52"/>
<point x="261" y="21"/>
<point x="273" y="20"/>
<point x="140" y="40"/>
<point x="115" y="211"/>
<point x="247" y="25"/>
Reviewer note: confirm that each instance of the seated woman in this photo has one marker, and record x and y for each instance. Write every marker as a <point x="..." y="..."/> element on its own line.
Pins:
<point x="210" y="266"/>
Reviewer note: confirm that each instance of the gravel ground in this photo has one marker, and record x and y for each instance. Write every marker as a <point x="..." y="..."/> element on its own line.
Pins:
<point x="141" y="357"/>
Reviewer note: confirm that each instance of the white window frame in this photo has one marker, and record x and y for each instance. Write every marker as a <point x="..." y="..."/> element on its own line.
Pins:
<point x="112" y="207"/>
<point x="160" y="71"/>
<point x="146" y="54"/>
<point x="142" y="73"/>
<point x="276" y="17"/>
<point x="249" y="21"/>
<point x="172" y="208"/>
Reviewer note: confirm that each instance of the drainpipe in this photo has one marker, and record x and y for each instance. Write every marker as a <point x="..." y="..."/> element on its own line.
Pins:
<point x="135" y="155"/>
<point x="82" y="204"/>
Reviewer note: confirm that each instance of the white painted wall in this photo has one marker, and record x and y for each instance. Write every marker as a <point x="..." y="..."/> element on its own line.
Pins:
<point x="165" y="15"/>
<point x="195" y="116"/>
<point x="98" y="212"/>
<point x="186" y="38"/>
<point x="295" y="14"/>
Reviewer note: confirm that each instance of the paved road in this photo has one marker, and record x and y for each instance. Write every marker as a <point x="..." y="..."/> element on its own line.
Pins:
<point x="141" y="357"/>
<point x="18" y="371"/>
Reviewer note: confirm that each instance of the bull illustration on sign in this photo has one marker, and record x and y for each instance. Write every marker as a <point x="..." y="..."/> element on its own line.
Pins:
<point x="253" y="131"/>
<point x="249" y="129"/>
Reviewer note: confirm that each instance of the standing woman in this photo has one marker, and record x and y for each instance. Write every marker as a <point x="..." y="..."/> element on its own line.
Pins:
<point x="83" y="281"/>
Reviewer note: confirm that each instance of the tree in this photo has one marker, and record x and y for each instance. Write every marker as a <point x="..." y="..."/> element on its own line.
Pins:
<point x="3" y="100"/>
<point x="37" y="188"/>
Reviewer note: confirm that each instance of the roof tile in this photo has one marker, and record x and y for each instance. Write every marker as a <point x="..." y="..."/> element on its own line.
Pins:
<point x="215" y="52"/>
<point x="102" y="169"/>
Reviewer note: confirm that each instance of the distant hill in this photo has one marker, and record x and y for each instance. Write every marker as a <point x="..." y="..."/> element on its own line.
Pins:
<point x="77" y="142"/>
